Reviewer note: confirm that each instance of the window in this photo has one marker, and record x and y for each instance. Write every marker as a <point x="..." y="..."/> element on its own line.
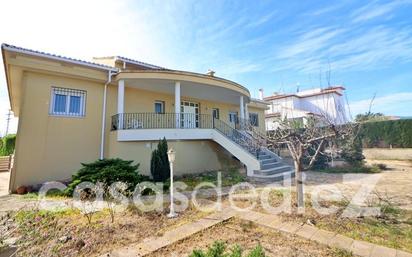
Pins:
<point x="233" y="117"/>
<point x="159" y="107"/>
<point x="215" y="113"/>
<point x="254" y="119"/>
<point x="68" y="102"/>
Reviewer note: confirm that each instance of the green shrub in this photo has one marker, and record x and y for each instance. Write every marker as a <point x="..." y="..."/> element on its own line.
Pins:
<point x="107" y="171"/>
<point x="321" y="161"/>
<point x="396" y="133"/>
<point x="351" y="150"/>
<point x="7" y="144"/>
<point x="159" y="163"/>
<point x="218" y="250"/>
<point x="353" y="169"/>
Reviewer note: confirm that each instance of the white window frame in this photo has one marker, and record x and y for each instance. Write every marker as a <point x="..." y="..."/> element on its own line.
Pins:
<point x="217" y="113"/>
<point x="68" y="92"/>
<point x="233" y="117"/>
<point x="257" y="118"/>
<point x="162" y="103"/>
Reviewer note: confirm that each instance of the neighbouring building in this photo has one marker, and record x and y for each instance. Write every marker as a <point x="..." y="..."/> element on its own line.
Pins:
<point x="72" y="111"/>
<point x="326" y="102"/>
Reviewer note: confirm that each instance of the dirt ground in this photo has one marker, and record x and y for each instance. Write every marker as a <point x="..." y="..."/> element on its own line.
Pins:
<point x="68" y="234"/>
<point x="248" y="236"/>
<point x="394" y="183"/>
<point x="392" y="194"/>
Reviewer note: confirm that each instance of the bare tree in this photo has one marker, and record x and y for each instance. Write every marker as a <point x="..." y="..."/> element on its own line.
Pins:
<point x="307" y="139"/>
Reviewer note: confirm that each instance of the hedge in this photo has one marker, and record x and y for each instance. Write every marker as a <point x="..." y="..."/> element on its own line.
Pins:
<point x="395" y="133"/>
<point x="7" y="144"/>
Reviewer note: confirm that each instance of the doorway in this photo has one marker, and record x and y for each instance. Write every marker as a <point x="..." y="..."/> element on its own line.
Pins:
<point x="233" y="119"/>
<point x="189" y="114"/>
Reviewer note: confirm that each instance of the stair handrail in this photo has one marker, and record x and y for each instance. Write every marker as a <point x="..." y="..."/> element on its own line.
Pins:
<point x="248" y="139"/>
<point x="236" y="136"/>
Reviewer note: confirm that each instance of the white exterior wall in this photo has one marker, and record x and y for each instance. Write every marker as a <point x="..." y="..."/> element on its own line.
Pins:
<point x="330" y="105"/>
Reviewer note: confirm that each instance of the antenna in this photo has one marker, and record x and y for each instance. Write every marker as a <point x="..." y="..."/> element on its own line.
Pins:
<point x="8" y="122"/>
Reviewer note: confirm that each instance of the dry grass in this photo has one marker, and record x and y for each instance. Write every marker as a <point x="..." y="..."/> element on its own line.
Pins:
<point x="393" y="228"/>
<point x="248" y="236"/>
<point x="42" y="232"/>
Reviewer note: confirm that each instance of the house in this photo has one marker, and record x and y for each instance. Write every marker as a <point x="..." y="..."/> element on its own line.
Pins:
<point x="72" y="111"/>
<point x="326" y="102"/>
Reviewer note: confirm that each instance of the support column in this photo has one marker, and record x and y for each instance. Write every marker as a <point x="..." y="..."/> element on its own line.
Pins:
<point x="242" y="111"/>
<point x="246" y="112"/>
<point x="177" y="103"/>
<point x="120" y="103"/>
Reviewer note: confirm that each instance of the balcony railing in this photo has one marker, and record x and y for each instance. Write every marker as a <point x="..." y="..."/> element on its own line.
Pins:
<point x="125" y="121"/>
<point x="161" y="121"/>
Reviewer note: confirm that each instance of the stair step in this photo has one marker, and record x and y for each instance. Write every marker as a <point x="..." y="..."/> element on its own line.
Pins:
<point x="269" y="161"/>
<point x="272" y="178"/>
<point x="264" y="157"/>
<point x="273" y="171"/>
<point x="266" y="166"/>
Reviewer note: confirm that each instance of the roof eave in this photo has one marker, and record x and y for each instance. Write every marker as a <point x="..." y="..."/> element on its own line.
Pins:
<point x="7" y="76"/>
<point x="147" y="65"/>
<point x="56" y="58"/>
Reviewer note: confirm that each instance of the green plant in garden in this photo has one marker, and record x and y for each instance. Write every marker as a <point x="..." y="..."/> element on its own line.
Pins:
<point x="321" y="162"/>
<point x="218" y="249"/>
<point x="395" y="133"/>
<point x="370" y="117"/>
<point x="107" y="171"/>
<point x="7" y="144"/>
<point x="351" y="150"/>
<point x="159" y="163"/>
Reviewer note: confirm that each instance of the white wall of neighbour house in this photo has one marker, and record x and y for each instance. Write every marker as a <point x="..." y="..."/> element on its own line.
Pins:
<point x="330" y="105"/>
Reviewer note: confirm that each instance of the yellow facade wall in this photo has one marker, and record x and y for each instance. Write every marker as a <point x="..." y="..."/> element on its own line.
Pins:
<point x="192" y="156"/>
<point x="51" y="148"/>
<point x="261" y="117"/>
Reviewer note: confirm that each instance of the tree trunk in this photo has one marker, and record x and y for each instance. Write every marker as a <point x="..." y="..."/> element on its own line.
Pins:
<point x="299" y="184"/>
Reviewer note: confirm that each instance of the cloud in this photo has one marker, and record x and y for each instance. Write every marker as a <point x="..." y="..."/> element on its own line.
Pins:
<point x="374" y="10"/>
<point x="262" y="20"/>
<point x="359" y="49"/>
<point x="230" y="69"/>
<point x="310" y="42"/>
<point x="326" y="9"/>
<point x="392" y="104"/>
<point x="98" y="28"/>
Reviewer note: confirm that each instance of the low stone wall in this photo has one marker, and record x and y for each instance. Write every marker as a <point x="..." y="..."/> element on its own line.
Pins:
<point x="388" y="154"/>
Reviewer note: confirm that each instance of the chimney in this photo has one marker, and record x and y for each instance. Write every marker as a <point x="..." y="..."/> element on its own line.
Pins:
<point x="261" y="93"/>
<point x="210" y="73"/>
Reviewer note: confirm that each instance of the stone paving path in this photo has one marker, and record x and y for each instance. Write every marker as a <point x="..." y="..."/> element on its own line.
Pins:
<point x="4" y="183"/>
<point x="152" y="244"/>
<point x="358" y="248"/>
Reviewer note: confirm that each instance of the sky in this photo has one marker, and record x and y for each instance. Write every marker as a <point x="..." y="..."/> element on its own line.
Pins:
<point x="279" y="46"/>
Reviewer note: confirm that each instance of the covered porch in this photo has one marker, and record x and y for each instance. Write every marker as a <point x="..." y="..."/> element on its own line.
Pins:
<point x="179" y="100"/>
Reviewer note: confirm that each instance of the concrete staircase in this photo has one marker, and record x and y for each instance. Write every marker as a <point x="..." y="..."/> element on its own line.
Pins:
<point x="248" y="146"/>
<point x="272" y="168"/>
